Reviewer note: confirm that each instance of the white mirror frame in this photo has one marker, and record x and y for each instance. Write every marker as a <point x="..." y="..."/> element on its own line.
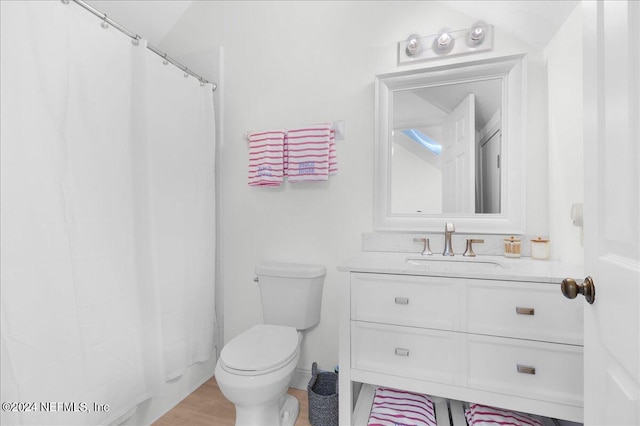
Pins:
<point x="511" y="219"/>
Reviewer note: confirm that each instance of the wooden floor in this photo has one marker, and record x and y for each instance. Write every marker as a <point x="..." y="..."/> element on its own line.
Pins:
<point x="206" y="406"/>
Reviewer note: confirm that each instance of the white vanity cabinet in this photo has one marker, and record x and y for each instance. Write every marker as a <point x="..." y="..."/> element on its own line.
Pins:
<point x="509" y="343"/>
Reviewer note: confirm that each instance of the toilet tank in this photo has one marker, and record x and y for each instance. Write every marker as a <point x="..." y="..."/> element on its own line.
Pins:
<point x="291" y="293"/>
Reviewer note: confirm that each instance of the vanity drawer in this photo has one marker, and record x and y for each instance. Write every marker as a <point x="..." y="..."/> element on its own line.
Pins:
<point x="405" y="300"/>
<point x="534" y="311"/>
<point x="539" y="370"/>
<point x="416" y="353"/>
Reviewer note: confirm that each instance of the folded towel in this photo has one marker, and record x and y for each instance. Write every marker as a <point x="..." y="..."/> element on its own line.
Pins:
<point x="482" y="415"/>
<point x="308" y="153"/>
<point x="266" y="158"/>
<point x="393" y="407"/>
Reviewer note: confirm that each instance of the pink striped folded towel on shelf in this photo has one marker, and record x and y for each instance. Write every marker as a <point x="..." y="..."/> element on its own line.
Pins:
<point x="311" y="153"/>
<point x="266" y="158"/>
<point x="392" y="407"/>
<point x="482" y="415"/>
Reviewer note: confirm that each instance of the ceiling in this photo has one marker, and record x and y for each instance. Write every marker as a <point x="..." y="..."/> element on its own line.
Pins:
<point x="430" y="105"/>
<point x="534" y="22"/>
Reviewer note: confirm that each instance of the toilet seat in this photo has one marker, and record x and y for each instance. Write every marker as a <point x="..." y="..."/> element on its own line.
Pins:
<point x="260" y="350"/>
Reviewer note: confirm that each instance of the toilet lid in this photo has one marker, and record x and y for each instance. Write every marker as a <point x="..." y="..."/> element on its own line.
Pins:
<point x="262" y="347"/>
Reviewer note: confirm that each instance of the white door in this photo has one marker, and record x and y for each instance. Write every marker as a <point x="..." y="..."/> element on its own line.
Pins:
<point x="458" y="158"/>
<point x="611" y="213"/>
<point x="490" y="187"/>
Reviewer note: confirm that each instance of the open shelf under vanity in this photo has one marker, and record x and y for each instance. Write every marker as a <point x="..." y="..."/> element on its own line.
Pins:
<point x="449" y="412"/>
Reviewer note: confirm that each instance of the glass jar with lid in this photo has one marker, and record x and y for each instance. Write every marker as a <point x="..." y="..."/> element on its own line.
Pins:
<point x="540" y="249"/>
<point x="512" y="247"/>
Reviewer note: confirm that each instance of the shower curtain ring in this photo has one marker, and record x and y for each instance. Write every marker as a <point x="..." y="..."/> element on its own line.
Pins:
<point x="104" y="24"/>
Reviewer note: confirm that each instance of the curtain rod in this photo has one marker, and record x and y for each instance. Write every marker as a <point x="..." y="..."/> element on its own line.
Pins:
<point x="136" y="37"/>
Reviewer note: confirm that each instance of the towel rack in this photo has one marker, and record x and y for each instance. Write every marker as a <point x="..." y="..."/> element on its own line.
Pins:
<point x="337" y="126"/>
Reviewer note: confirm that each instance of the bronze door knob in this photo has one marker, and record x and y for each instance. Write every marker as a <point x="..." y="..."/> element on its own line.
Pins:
<point x="571" y="289"/>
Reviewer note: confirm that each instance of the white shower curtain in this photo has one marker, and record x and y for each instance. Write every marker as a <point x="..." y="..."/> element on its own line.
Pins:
<point x="107" y="225"/>
<point x="181" y="192"/>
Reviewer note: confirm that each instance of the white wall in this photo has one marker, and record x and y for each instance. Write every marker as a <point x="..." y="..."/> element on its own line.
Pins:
<point x="295" y="63"/>
<point x="563" y="57"/>
<point x="416" y="184"/>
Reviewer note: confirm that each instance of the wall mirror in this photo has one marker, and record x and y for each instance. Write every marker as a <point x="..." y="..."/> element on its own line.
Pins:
<point x="449" y="146"/>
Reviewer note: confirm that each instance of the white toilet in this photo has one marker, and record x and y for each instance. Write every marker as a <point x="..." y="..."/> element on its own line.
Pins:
<point x="256" y="367"/>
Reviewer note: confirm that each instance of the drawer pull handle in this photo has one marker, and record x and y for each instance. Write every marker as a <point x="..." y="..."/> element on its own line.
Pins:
<point x="525" y="311"/>
<point x="402" y="300"/>
<point x="526" y="369"/>
<point x="402" y="352"/>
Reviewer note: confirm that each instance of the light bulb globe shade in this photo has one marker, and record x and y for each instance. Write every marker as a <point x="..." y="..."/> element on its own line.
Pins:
<point x="444" y="40"/>
<point x="476" y="36"/>
<point x="413" y="45"/>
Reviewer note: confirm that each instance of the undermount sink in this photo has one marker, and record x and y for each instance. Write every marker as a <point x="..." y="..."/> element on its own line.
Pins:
<point x="462" y="262"/>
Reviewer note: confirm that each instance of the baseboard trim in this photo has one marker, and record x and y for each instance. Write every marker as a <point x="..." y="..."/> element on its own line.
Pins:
<point x="301" y="378"/>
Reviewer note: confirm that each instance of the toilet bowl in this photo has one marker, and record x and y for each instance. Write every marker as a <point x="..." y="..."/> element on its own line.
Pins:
<point x="256" y="367"/>
<point x="254" y="372"/>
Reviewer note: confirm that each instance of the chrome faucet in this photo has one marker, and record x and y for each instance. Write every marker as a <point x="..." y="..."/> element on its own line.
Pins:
<point x="448" y="230"/>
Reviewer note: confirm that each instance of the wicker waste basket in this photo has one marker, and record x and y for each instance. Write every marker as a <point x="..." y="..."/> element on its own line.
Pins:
<point x="323" y="398"/>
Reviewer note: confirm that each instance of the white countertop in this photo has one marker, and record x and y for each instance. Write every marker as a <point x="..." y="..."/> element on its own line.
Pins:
<point x="480" y="267"/>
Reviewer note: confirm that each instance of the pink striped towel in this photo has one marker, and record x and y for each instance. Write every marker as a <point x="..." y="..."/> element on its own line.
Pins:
<point x="333" y="157"/>
<point x="311" y="153"/>
<point x="482" y="415"/>
<point x="266" y="158"/>
<point x="393" y="407"/>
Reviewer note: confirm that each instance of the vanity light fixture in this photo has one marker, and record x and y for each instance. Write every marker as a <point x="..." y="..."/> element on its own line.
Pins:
<point x="478" y="38"/>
